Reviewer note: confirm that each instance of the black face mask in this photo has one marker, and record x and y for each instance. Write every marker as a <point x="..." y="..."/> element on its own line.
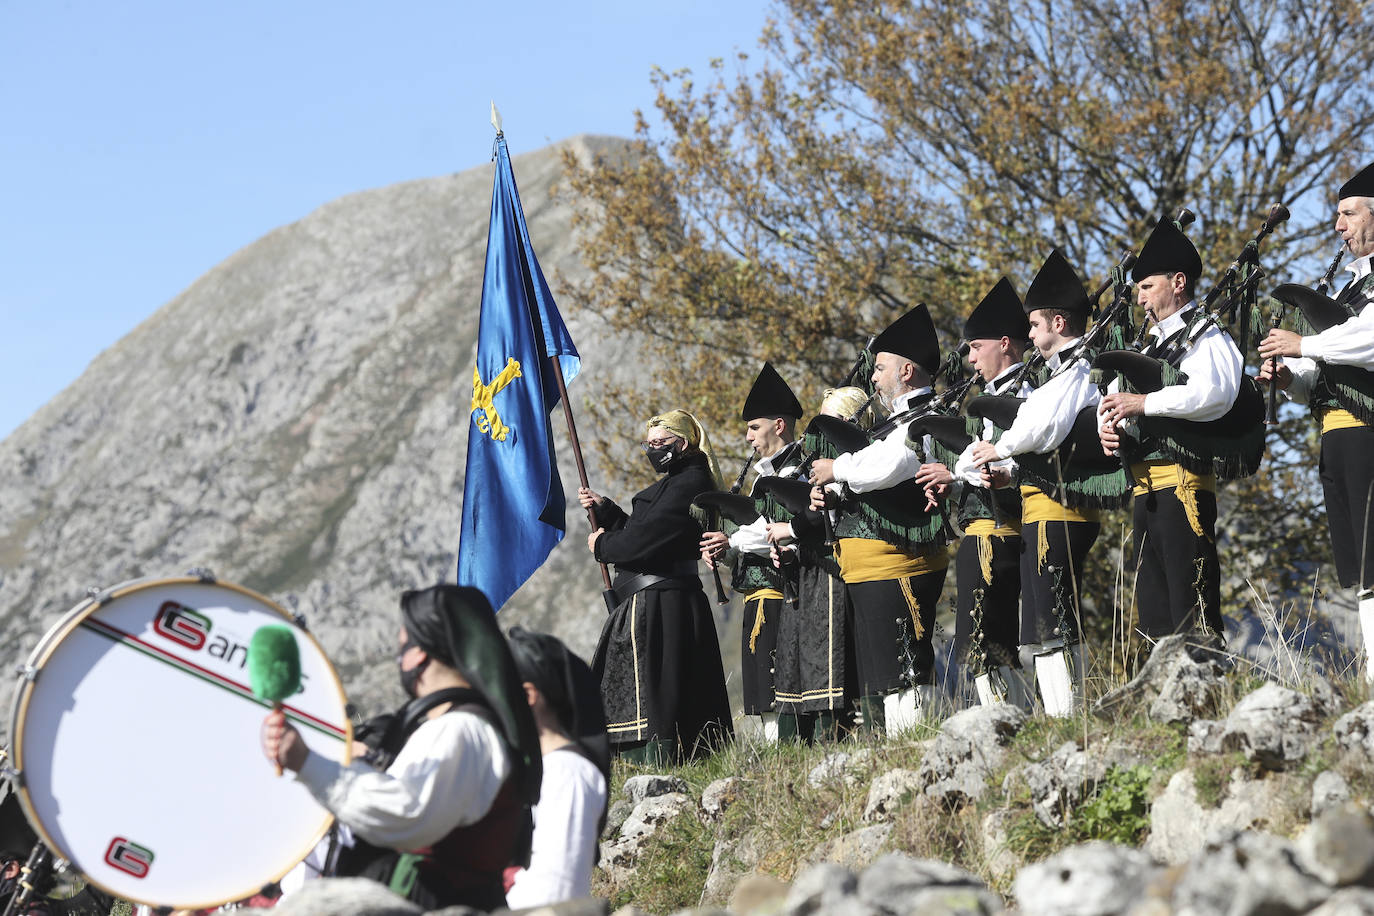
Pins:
<point x="660" y="458"/>
<point x="410" y="680"/>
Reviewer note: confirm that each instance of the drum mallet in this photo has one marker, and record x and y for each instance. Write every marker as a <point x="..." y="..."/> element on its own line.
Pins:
<point x="274" y="665"/>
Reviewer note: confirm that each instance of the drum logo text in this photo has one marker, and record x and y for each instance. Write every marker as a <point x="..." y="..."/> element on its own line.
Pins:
<point x="182" y="625"/>
<point x="129" y="857"/>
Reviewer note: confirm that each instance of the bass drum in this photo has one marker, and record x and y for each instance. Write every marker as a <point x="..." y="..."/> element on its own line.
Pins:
<point x="136" y="740"/>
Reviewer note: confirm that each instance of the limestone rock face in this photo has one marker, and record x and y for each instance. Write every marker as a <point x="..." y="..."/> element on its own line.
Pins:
<point x="345" y="897"/>
<point x="1095" y="879"/>
<point x="1248" y="873"/>
<point x="1181" y="826"/>
<point x="970" y="747"/>
<point x="297" y="421"/>
<point x="1271" y="725"/>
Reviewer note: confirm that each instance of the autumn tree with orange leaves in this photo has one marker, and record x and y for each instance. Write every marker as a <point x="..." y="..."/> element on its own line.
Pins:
<point x="874" y="155"/>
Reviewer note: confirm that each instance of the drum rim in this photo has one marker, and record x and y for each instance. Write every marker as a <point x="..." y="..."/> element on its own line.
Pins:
<point x="68" y="624"/>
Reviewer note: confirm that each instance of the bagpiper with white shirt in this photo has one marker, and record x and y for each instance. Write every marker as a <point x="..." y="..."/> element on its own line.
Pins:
<point x="1332" y="369"/>
<point x="988" y="563"/>
<point x="1174" y="542"/>
<point x="770" y="414"/>
<point x="891" y="546"/>
<point x="1061" y="496"/>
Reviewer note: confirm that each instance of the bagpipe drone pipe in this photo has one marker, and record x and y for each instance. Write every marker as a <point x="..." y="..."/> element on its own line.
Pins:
<point x="1231" y="446"/>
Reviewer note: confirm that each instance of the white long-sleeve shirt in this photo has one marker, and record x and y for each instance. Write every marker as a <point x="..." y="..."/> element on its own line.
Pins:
<point x="572" y="795"/>
<point x="886" y="462"/>
<point x="1213" y="365"/>
<point x="446" y="776"/>
<point x="1350" y="343"/>
<point x="753" y="537"/>
<point x="1046" y="418"/>
<point x="964" y="471"/>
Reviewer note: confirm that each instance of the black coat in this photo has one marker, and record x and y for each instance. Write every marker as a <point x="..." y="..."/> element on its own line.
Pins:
<point x="658" y="660"/>
<point x="659" y="536"/>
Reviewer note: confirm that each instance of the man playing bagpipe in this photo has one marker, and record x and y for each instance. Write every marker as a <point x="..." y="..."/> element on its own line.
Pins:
<point x="1174" y="546"/>
<point x="1332" y="369"/>
<point x="1060" y="492"/>
<point x="770" y="414"/>
<point x="815" y="681"/>
<point x="988" y="564"/>
<point x="890" y="546"/>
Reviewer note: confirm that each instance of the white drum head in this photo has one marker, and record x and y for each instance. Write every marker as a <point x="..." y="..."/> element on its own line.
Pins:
<point x="139" y="751"/>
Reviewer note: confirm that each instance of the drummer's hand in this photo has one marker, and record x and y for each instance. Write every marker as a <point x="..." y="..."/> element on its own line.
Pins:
<point x="589" y="497"/>
<point x="282" y="743"/>
<point x="1280" y="343"/>
<point x="822" y="472"/>
<point x="591" y="539"/>
<point x="1284" y="374"/>
<point x="1121" y="405"/>
<point x="983" y="452"/>
<point x="713" y="544"/>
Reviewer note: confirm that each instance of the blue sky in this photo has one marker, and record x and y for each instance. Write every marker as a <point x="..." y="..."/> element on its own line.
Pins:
<point x="142" y="143"/>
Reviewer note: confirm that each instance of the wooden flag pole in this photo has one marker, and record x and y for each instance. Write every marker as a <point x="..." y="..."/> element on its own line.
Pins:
<point x="608" y="594"/>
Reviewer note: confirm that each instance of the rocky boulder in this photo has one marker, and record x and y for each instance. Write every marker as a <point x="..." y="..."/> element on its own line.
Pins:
<point x="969" y="749"/>
<point x="1272" y="726"/>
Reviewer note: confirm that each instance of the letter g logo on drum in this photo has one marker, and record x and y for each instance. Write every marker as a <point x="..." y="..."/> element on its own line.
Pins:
<point x="181" y="625"/>
<point x="130" y="858"/>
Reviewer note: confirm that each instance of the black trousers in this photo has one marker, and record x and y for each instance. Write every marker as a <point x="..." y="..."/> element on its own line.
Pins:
<point x="1178" y="581"/>
<point x="994" y="600"/>
<point x="1347" y="473"/>
<point x="1050" y="589"/>
<point x="894" y="620"/>
<point x="758" y="647"/>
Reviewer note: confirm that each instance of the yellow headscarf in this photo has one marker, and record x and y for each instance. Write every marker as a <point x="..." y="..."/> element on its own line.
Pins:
<point x="846" y="402"/>
<point x="685" y="426"/>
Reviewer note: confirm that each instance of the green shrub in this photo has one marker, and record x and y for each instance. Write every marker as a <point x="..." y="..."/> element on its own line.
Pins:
<point x="1119" y="812"/>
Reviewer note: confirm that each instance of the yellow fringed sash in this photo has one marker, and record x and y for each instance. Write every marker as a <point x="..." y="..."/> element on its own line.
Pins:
<point x="1038" y="507"/>
<point x="760" y="595"/>
<point x="868" y="560"/>
<point x="1338" y="418"/>
<point x="1164" y="475"/>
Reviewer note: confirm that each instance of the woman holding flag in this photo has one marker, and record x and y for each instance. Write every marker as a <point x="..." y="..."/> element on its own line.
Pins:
<point x="658" y="659"/>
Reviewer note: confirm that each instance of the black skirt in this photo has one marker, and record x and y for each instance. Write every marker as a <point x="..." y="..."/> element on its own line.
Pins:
<point x="814" y="654"/>
<point x="658" y="662"/>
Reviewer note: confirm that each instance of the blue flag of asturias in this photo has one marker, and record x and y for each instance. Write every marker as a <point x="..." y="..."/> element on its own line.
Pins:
<point x="513" y="504"/>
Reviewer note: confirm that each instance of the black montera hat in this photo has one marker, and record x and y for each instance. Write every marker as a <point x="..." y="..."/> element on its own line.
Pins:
<point x="999" y="315"/>
<point x="912" y="337"/>
<point x="770" y="397"/>
<point x="1362" y="185"/>
<point x="1057" y="286"/>
<point x="1167" y="251"/>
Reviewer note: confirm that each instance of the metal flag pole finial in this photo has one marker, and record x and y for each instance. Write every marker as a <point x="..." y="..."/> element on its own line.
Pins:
<point x="495" y="117"/>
